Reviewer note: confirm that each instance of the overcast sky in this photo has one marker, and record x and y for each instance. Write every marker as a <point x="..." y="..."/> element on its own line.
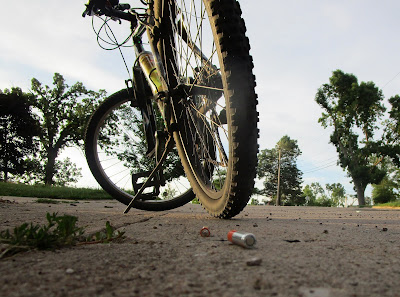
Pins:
<point x="295" y="45"/>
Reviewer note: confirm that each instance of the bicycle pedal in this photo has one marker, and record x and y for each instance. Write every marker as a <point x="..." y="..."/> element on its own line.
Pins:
<point x="146" y="197"/>
<point x="155" y="183"/>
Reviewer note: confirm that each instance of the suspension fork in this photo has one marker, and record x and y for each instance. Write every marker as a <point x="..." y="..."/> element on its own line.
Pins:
<point x="159" y="90"/>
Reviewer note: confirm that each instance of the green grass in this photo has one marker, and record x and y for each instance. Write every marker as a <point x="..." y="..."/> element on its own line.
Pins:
<point x="390" y="204"/>
<point x="60" y="231"/>
<point x="40" y="191"/>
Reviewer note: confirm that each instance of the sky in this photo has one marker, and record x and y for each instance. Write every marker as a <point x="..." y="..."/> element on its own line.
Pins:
<point x="296" y="45"/>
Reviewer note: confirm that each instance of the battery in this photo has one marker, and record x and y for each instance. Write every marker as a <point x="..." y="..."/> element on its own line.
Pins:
<point x="205" y="232"/>
<point x="246" y="240"/>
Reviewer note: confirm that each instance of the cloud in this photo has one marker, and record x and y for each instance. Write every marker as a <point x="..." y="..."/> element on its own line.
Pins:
<point x="57" y="44"/>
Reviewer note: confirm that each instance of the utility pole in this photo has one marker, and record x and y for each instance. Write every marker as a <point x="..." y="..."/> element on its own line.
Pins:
<point x="278" y="192"/>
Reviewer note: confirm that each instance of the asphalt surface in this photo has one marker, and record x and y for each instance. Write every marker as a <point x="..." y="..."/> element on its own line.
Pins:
<point x="300" y="251"/>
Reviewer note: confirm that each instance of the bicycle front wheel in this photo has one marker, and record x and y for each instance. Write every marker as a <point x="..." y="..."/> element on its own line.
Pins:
<point x="115" y="148"/>
<point x="205" y="54"/>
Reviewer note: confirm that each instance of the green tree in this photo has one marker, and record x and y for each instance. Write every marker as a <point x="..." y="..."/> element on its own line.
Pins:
<point x="309" y="195"/>
<point x="290" y="176"/>
<point x="254" y="201"/>
<point x="384" y="192"/>
<point x="354" y="110"/>
<point x="389" y="188"/>
<point x="315" y="195"/>
<point x="63" y="113"/>
<point x="134" y="152"/>
<point x="393" y="126"/>
<point x="17" y="133"/>
<point x="337" y="194"/>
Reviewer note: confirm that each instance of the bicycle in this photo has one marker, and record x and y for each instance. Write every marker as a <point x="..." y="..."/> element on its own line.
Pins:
<point x="189" y="110"/>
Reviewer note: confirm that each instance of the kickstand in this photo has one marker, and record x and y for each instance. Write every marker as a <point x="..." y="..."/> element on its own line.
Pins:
<point x="168" y="146"/>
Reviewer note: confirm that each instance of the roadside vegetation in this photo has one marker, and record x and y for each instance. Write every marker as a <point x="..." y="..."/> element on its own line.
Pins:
<point x="60" y="231"/>
<point x="390" y="204"/>
<point x="52" y="192"/>
<point x="35" y="127"/>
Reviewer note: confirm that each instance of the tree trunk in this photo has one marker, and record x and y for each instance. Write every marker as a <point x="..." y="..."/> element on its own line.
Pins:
<point x="360" y="192"/>
<point x="49" y="168"/>
<point x="5" y="169"/>
<point x="5" y="173"/>
<point x="278" y="194"/>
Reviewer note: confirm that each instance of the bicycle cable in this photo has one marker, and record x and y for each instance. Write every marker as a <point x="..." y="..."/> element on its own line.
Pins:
<point x="112" y="40"/>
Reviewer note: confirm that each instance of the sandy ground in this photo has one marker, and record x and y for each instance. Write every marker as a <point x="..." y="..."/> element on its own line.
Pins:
<point x="299" y="252"/>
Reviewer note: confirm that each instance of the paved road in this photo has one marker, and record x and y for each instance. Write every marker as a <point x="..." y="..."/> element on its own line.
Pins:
<point x="299" y="252"/>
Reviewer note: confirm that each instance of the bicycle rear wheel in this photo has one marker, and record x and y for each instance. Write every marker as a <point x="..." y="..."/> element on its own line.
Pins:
<point x="115" y="149"/>
<point x="205" y="54"/>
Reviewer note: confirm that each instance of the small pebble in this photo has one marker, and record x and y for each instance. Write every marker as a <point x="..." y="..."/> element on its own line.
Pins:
<point x="69" y="271"/>
<point x="254" y="262"/>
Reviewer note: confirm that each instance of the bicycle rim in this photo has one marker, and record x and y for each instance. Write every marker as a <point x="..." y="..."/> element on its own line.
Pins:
<point x="116" y="153"/>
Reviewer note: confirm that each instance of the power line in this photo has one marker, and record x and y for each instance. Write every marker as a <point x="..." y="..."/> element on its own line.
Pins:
<point x="321" y="167"/>
<point x="322" y="162"/>
<point x="391" y="80"/>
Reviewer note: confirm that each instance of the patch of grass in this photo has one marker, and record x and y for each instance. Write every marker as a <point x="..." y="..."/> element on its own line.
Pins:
<point x="60" y="231"/>
<point x="54" y="201"/>
<point x="47" y="201"/>
<point x="40" y="191"/>
<point x="390" y="204"/>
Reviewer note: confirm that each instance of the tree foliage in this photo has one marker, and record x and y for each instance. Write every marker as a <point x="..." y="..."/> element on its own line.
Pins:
<point x="17" y="133"/>
<point x="123" y="136"/>
<point x="355" y="110"/>
<point x="333" y="195"/>
<point x="291" y="176"/>
<point x="63" y="112"/>
<point x="65" y="172"/>
<point x="388" y="189"/>
<point x="337" y="193"/>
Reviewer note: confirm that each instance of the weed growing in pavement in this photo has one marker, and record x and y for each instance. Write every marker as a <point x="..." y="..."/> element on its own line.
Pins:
<point x="106" y="236"/>
<point x="60" y="231"/>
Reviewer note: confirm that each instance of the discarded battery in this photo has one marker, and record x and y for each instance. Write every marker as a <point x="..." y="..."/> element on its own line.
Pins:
<point x="205" y="232"/>
<point x="246" y="240"/>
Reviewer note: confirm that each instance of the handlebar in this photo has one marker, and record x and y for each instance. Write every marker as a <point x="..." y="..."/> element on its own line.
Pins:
<point x="110" y="8"/>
